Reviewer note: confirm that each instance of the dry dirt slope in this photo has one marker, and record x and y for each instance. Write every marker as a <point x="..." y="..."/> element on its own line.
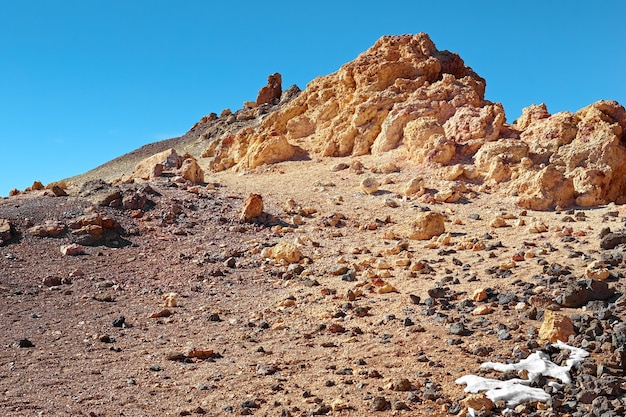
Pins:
<point x="326" y="304"/>
<point x="300" y="338"/>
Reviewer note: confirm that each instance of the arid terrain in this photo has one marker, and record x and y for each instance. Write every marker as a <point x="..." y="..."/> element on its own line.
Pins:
<point x="349" y="249"/>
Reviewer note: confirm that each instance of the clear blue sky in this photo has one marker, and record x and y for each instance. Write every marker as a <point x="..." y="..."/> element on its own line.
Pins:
<point x="84" y="81"/>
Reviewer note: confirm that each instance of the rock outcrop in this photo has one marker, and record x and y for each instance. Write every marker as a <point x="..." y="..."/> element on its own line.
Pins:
<point x="270" y="94"/>
<point x="366" y="105"/>
<point x="403" y="93"/>
<point x="563" y="159"/>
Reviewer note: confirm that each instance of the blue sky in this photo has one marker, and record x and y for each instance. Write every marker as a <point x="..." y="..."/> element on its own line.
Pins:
<point x="84" y="81"/>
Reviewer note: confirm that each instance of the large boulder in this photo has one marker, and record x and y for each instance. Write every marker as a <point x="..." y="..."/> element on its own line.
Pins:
<point x="191" y="171"/>
<point x="154" y="165"/>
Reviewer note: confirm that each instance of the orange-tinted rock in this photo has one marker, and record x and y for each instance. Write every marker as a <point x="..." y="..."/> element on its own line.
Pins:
<point x="364" y="106"/>
<point x="191" y="171"/>
<point x="272" y="91"/>
<point x="252" y="208"/>
<point x="6" y="232"/>
<point x="50" y="228"/>
<point x="427" y="225"/>
<point x="556" y="327"/>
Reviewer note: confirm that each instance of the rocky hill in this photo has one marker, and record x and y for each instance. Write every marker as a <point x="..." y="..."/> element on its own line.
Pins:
<point x="382" y="242"/>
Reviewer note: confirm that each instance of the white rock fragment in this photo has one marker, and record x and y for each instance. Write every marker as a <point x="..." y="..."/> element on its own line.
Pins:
<point x="515" y="391"/>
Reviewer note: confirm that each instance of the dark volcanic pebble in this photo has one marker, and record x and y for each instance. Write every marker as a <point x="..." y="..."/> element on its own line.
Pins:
<point x="119" y="322"/>
<point x="611" y="240"/>
<point x="25" y="343"/>
<point x="379" y="404"/>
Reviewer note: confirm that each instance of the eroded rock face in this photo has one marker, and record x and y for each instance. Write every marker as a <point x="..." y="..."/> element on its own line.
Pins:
<point x="272" y="91"/>
<point x="169" y="161"/>
<point x="405" y="94"/>
<point x="573" y="158"/>
<point x="365" y="106"/>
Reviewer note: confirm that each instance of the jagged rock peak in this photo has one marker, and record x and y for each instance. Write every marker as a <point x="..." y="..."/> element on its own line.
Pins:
<point x="367" y="107"/>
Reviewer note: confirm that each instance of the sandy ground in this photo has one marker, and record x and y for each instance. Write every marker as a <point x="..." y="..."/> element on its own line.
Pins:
<point x="316" y="338"/>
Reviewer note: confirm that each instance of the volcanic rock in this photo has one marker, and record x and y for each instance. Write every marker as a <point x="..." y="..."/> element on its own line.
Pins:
<point x="5" y="231"/>
<point x="252" y="208"/>
<point x="580" y="293"/>
<point x="365" y="106"/>
<point x="427" y="225"/>
<point x="556" y="327"/>
<point x="286" y="251"/>
<point x="50" y="228"/>
<point x="72" y="250"/>
<point x="100" y="193"/>
<point x="611" y="240"/>
<point x="191" y="171"/>
<point x="154" y="165"/>
<point x="272" y="91"/>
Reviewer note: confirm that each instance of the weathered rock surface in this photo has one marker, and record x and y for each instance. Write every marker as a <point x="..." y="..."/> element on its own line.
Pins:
<point x="5" y="231"/>
<point x="404" y="93"/>
<point x="555" y="327"/>
<point x="426" y="225"/>
<point x="365" y="106"/>
<point x="252" y="208"/>
<point x="272" y="91"/>
<point x="169" y="161"/>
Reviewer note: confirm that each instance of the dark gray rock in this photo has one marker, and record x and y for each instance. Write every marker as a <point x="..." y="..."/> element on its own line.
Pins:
<point x="580" y="293"/>
<point x="611" y="240"/>
<point x="379" y="404"/>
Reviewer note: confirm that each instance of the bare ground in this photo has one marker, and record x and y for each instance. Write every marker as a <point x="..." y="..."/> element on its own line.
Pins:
<point x="285" y="340"/>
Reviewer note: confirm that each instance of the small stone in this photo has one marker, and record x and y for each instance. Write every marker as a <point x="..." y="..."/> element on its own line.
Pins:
<point x="397" y="404"/>
<point x="498" y="222"/>
<point x="6" y="230"/>
<point x="479" y="295"/>
<point x="266" y="369"/>
<point x="459" y="329"/>
<point x="119" y="322"/>
<point x="25" y="343"/>
<point x="414" y="186"/>
<point x="402" y="384"/>
<point x="252" y="208"/>
<point x="170" y="299"/>
<point x="163" y="313"/>
<point x="200" y="353"/>
<point x="52" y="281"/>
<point x="249" y="404"/>
<point x="338" y="404"/>
<point x="611" y="240"/>
<point x="427" y="225"/>
<point x="482" y="310"/>
<point x="336" y="328"/>
<point x="414" y="299"/>
<point x="369" y="185"/>
<point x="478" y="402"/>
<point x="214" y="317"/>
<point x="387" y="288"/>
<point x="379" y="404"/>
<point x="286" y="251"/>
